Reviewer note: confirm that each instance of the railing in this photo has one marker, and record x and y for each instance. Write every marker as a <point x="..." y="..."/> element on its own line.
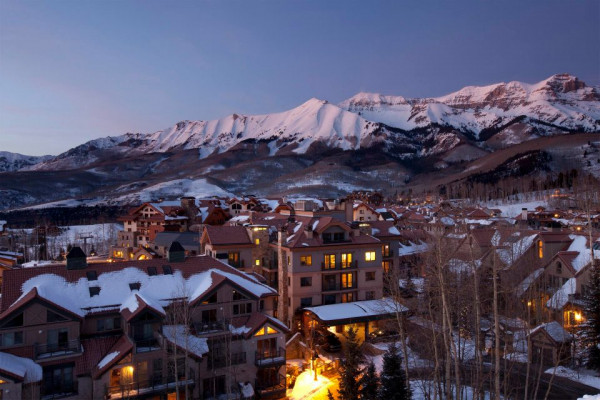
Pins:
<point x="330" y="286"/>
<point x="268" y="358"/>
<point x="388" y="254"/>
<point x="146" y="345"/>
<point x="270" y="265"/>
<point x="210" y="326"/>
<point x="49" y="350"/>
<point x="339" y="266"/>
<point x="268" y="387"/>
<point x="142" y="387"/>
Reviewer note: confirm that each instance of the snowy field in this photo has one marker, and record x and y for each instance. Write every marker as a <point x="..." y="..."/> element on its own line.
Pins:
<point x="583" y="376"/>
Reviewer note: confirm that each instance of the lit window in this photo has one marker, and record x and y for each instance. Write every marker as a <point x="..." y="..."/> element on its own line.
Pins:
<point x="257" y="262"/>
<point x="540" y="249"/>
<point x="370" y="256"/>
<point x="329" y="261"/>
<point x="257" y="241"/>
<point x="346" y="260"/>
<point x="347" y="281"/>
<point x="305" y="260"/>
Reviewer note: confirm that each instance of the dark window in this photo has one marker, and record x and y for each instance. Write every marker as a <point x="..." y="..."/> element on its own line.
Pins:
<point x="306" y="302"/>
<point x="370" y="296"/>
<point x="94" y="291"/>
<point x="16" y="321"/>
<point x="211" y="300"/>
<point x="134" y="286"/>
<point x="108" y="324"/>
<point x="261" y="305"/>
<point x="244" y="308"/>
<point x="58" y="380"/>
<point x="54" y="317"/>
<point x="151" y="271"/>
<point x="306" y="281"/>
<point x="329" y="299"/>
<point x="167" y="270"/>
<point x="238" y="296"/>
<point x="91" y="275"/>
<point x="11" y="339"/>
<point x="370" y="276"/>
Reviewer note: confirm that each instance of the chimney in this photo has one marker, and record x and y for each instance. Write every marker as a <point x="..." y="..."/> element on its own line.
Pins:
<point x="355" y="229"/>
<point x="308" y="232"/>
<point x="348" y="209"/>
<point x="76" y="259"/>
<point x="176" y="253"/>
<point x="524" y="214"/>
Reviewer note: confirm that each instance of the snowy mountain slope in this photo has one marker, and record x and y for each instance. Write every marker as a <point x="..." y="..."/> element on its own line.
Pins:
<point x="560" y="102"/>
<point x="15" y="161"/>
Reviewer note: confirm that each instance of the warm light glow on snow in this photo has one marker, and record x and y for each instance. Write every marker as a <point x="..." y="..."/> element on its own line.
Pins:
<point x="306" y="385"/>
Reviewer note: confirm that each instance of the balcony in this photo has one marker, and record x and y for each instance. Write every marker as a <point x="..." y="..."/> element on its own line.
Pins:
<point x="210" y="326"/>
<point x="331" y="287"/>
<point x="271" y="389"/>
<point x="141" y="388"/>
<point x="388" y="254"/>
<point x="339" y="266"/>
<point x="50" y="350"/>
<point x="146" y="345"/>
<point x="270" y="358"/>
<point x="270" y="265"/>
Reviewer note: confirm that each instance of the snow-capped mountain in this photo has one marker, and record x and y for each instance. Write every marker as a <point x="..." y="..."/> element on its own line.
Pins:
<point x="561" y="102"/>
<point x="369" y="141"/>
<point x="15" y="161"/>
<point x="512" y="112"/>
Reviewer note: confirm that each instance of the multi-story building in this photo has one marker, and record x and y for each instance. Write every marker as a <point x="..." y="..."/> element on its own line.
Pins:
<point x="139" y="329"/>
<point x="325" y="261"/>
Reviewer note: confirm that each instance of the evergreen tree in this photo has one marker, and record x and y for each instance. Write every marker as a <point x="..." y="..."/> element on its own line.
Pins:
<point x="393" y="380"/>
<point x="350" y="369"/>
<point x="329" y="395"/>
<point x="369" y="383"/>
<point x="591" y="328"/>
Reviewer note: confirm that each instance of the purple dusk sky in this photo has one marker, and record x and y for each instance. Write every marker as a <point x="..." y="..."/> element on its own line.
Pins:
<point x="71" y="71"/>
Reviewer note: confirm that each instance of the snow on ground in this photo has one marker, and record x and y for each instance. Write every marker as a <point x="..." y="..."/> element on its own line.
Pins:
<point x="513" y="210"/>
<point x="583" y="376"/>
<point x="199" y="188"/>
<point x="590" y="397"/>
<point x="414" y="361"/>
<point x="424" y="390"/>
<point x="306" y="387"/>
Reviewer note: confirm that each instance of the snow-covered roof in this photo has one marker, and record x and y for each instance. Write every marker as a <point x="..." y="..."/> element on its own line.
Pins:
<point x="115" y="290"/>
<point x="526" y="283"/>
<point x="182" y="338"/>
<point x="22" y="368"/>
<point x="513" y="251"/>
<point x="561" y="296"/>
<point x="358" y="310"/>
<point x="555" y="331"/>
<point x="412" y="248"/>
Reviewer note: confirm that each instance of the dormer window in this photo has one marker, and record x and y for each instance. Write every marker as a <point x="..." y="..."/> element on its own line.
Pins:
<point x="134" y="286"/>
<point x="167" y="270"/>
<point x="558" y="268"/>
<point x="94" y="291"/>
<point x="151" y="271"/>
<point x="91" y="275"/>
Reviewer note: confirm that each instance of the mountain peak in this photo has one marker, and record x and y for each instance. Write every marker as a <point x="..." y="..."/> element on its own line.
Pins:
<point x="368" y="98"/>
<point x="565" y="83"/>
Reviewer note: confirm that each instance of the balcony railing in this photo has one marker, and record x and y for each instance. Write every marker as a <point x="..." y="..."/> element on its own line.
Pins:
<point x="49" y="350"/>
<point x="270" y="388"/>
<point x="330" y="287"/>
<point x="270" y="265"/>
<point x="270" y="358"/>
<point x="142" y="387"/>
<point x="388" y="254"/>
<point x="339" y="266"/>
<point x="210" y="326"/>
<point x="146" y="345"/>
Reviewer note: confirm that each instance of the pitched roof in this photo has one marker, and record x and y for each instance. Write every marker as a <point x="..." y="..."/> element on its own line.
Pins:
<point x="117" y="351"/>
<point x="94" y="350"/>
<point x="68" y="289"/>
<point x="189" y="240"/>
<point x="226" y="235"/>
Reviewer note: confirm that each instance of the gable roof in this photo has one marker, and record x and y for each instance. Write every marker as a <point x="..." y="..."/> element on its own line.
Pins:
<point x="68" y="289"/>
<point x="116" y="353"/>
<point x="225" y="235"/>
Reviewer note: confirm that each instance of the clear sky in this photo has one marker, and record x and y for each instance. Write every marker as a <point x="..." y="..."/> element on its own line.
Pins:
<point x="71" y="71"/>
